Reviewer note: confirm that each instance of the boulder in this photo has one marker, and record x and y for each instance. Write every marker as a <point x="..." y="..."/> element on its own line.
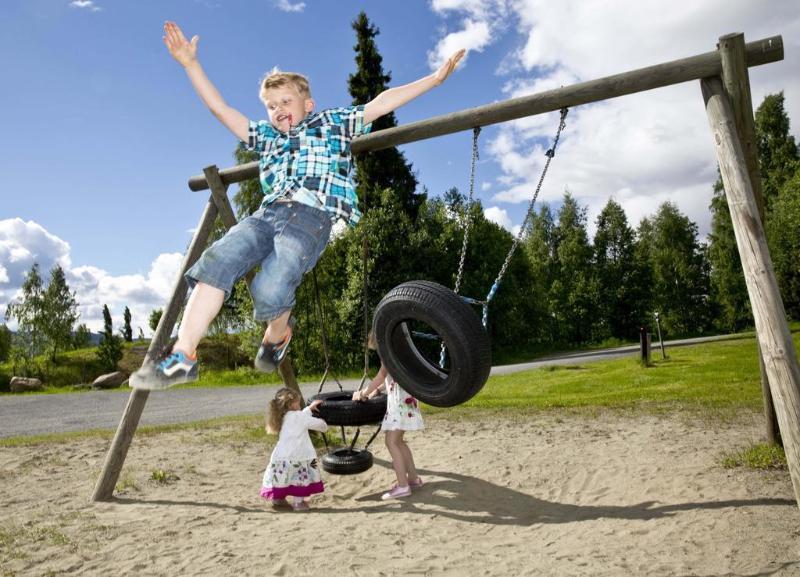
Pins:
<point x="22" y="384"/>
<point x="110" y="380"/>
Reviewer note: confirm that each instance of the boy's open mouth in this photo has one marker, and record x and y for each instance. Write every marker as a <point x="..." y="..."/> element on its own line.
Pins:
<point x="282" y="117"/>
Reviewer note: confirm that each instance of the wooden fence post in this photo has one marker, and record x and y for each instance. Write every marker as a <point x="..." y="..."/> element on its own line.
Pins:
<point x="772" y="329"/>
<point x="736" y="81"/>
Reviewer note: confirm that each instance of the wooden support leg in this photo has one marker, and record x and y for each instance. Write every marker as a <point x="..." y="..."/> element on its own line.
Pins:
<point x="115" y="459"/>
<point x="772" y="329"/>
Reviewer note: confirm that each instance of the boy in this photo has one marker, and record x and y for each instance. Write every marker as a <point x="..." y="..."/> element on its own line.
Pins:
<point x="304" y="169"/>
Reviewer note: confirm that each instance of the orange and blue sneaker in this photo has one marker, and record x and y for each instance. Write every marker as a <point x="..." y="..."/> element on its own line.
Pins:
<point x="176" y="368"/>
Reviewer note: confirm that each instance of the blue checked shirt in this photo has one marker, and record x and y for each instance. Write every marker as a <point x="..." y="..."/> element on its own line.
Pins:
<point x="311" y="163"/>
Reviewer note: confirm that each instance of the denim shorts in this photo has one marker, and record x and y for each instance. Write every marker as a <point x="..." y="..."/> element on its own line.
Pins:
<point x="286" y="238"/>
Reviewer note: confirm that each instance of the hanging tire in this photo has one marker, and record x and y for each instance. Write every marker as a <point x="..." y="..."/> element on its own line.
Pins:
<point x="347" y="461"/>
<point x="339" y="408"/>
<point x="454" y="322"/>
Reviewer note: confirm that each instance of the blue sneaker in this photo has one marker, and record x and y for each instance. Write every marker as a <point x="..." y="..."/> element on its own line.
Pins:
<point x="175" y="369"/>
<point x="270" y="355"/>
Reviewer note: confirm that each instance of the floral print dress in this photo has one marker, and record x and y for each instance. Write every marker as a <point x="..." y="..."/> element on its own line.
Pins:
<point x="292" y="470"/>
<point x="402" y="410"/>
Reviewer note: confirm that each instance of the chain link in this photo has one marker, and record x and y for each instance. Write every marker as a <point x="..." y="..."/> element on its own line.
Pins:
<point x="468" y="210"/>
<point x="525" y="223"/>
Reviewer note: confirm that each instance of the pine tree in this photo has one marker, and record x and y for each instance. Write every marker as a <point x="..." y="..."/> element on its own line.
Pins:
<point x="387" y="168"/>
<point x="784" y="233"/>
<point x="679" y="265"/>
<point x="619" y="278"/>
<point x="155" y="318"/>
<point x="110" y="350"/>
<point x="728" y="289"/>
<point x="777" y="149"/>
<point x="5" y="343"/>
<point x="61" y="312"/>
<point x="127" y="331"/>
<point x="573" y="292"/>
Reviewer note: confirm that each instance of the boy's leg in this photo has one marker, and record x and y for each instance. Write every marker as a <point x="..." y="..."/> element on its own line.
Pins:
<point x="276" y="329"/>
<point x="303" y="234"/>
<point x="212" y="277"/>
<point x="180" y="365"/>
<point x="203" y="306"/>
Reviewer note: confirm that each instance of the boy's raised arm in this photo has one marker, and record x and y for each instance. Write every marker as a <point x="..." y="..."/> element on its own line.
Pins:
<point x="185" y="53"/>
<point x="393" y="98"/>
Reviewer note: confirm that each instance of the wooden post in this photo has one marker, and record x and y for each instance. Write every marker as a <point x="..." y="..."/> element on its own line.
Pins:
<point x="772" y="330"/>
<point x="736" y="80"/>
<point x="115" y="458"/>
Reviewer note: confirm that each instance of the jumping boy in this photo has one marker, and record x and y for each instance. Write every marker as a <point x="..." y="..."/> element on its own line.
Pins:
<point x="304" y="169"/>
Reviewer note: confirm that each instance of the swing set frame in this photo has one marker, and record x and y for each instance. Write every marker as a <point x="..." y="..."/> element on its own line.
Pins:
<point x="725" y="86"/>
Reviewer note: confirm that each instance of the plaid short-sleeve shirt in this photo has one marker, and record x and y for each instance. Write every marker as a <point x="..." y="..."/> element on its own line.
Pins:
<point x="311" y="163"/>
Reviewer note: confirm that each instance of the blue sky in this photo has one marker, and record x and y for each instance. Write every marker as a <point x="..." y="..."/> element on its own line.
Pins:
<point x="101" y="129"/>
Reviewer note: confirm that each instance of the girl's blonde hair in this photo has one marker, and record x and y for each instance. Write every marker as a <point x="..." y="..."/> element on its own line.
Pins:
<point x="278" y="407"/>
<point x="276" y="78"/>
<point x="372" y="344"/>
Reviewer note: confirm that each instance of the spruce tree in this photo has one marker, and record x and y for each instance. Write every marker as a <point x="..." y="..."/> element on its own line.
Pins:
<point x="679" y="268"/>
<point x="387" y="168"/>
<point x="110" y="350"/>
<point x="127" y="330"/>
<point x="777" y="149"/>
<point x="619" y="279"/>
<point x="728" y="289"/>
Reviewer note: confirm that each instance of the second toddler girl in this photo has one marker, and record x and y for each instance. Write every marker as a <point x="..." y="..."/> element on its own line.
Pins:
<point x="292" y="470"/>
<point x="402" y="414"/>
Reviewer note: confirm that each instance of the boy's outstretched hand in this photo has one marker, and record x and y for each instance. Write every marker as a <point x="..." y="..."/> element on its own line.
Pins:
<point x="182" y="50"/>
<point x="447" y="68"/>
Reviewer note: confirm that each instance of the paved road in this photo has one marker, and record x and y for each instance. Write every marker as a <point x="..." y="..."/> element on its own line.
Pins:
<point x="22" y="415"/>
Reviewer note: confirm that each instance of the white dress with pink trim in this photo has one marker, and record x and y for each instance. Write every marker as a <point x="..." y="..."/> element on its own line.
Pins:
<point x="293" y="469"/>
<point x="402" y="410"/>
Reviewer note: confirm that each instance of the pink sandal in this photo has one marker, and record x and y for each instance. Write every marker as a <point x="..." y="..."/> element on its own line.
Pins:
<point x="416" y="483"/>
<point x="396" y="492"/>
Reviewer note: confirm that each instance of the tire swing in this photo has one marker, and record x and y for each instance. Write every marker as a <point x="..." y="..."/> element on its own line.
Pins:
<point x="338" y="407"/>
<point x="416" y="315"/>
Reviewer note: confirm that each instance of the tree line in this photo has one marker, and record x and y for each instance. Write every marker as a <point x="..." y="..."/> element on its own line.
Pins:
<point x="561" y="290"/>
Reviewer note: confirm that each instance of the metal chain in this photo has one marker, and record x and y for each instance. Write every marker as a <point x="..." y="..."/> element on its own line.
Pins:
<point x="467" y="222"/>
<point x="550" y="154"/>
<point x="468" y="211"/>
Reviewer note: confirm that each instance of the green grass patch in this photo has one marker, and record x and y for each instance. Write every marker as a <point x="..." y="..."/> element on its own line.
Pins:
<point x="760" y="456"/>
<point x="717" y="378"/>
<point x="721" y="375"/>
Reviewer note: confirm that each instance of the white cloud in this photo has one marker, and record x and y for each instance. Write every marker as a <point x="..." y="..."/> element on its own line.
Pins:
<point x="85" y="5"/>
<point x="23" y="243"/>
<point x="641" y="149"/>
<point x="287" y="6"/>
<point x="482" y="22"/>
<point x="498" y="216"/>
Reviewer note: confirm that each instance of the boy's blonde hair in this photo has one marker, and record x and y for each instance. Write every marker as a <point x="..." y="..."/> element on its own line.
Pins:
<point x="276" y="78"/>
<point x="278" y="407"/>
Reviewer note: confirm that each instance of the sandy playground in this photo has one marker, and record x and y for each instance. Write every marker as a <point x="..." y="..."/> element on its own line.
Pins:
<point x="552" y="493"/>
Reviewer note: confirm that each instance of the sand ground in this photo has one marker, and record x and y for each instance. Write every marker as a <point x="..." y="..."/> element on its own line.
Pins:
<point x="550" y="493"/>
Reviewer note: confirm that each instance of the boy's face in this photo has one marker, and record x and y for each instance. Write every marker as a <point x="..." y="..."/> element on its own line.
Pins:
<point x="286" y="106"/>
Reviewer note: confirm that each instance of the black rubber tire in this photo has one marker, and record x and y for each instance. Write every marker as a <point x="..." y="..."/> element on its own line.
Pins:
<point x="347" y="461"/>
<point x="339" y="408"/>
<point x="455" y="323"/>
